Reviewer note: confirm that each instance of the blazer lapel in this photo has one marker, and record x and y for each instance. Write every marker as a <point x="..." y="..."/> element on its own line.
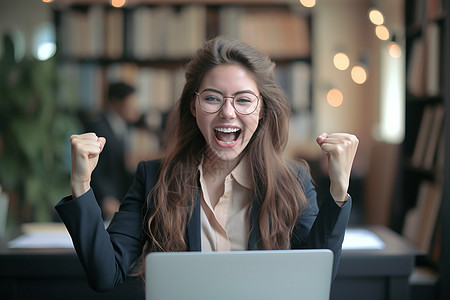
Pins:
<point x="254" y="238"/>
<point x="194" y="228"/>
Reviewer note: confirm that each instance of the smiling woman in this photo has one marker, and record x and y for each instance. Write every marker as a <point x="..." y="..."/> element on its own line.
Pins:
<point x="223" y="182"/>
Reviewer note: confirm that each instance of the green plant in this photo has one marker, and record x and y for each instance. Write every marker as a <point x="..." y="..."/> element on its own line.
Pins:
<point x="34" y="128"/>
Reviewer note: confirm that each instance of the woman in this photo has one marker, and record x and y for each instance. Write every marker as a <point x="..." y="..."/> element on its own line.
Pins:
<point x="222" y="184"/>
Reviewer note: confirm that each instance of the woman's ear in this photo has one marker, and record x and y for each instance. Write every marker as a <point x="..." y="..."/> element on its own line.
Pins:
<point x="261" y="109"/>
<point x="192" y="106"/>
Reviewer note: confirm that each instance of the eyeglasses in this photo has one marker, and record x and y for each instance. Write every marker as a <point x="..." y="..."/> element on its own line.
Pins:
<point x="211" y="101"/>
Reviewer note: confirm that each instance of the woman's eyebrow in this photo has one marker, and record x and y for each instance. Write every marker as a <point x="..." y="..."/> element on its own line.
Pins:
<point x="244" y="91"/>
<point x="220" y="92"/>
<point x="212" y="90"/>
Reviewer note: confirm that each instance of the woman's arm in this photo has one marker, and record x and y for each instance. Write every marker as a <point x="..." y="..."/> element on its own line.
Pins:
<point x="325" y="227"/>
<point x="322" y="228"/>
<point x="106" y="255"/>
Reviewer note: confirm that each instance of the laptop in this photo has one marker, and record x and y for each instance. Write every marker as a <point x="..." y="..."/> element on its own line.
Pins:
<point x="284" y="274"/>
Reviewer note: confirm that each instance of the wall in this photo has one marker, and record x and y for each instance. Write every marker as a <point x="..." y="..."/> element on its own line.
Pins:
<point x="344" y="26"/>
<point x="23" y="18"/>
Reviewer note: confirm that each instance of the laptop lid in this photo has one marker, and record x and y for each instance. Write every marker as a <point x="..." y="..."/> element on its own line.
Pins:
<point x="286" y="274"/>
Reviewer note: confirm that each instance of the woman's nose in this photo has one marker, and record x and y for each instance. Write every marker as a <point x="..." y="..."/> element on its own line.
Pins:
<point x="227" y="110"/>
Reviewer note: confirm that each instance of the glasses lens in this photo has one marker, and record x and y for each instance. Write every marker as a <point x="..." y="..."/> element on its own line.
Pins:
<point x="245" y="103"/>
<point x="210" y="101"/>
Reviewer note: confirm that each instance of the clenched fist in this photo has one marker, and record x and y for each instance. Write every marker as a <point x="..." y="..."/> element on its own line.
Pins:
<point x="340" y="149"/>
<point x="85" y="150"/>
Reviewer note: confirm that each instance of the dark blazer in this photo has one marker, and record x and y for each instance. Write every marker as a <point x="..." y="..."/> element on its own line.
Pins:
<point x="107" y="255"/>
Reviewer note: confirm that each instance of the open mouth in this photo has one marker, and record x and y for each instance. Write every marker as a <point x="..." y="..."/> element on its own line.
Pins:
<point x="227" y="135"/>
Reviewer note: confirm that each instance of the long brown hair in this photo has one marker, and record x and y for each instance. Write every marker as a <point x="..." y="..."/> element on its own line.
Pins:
<point x="276" y="184"/>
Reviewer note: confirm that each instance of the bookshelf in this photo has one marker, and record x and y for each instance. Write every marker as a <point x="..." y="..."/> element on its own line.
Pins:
<point x="423" y="213"/>
<point x="147" y="43"/>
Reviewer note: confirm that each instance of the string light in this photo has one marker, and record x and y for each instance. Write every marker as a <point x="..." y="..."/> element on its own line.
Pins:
<point x="359" y="74"/>
<point x="341" y="61"/>
<point x="335" y="97"/>
<point x="376" y="16"/>
<point x="308" y="3"/>
<point x="118" y="3"/>
<point x="393" y="47"/>
<point x="382" y="32"/>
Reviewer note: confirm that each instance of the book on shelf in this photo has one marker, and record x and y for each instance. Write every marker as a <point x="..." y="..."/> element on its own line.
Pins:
<point x="420" y="221"/>
<point x="114" y="33"/>
<point x="84" y="83"/>
<point x="435" y="136"/>
<point x="432" y="60"/>
<point x="91" y="96"/>
<point x="435" y="9"/>
<point x="427" y="10"/>
<point x="295" y="79"/>
<point x="440" y="155"/>
<point x="423" y="135"/>
<point x="139" y="33"/>
<point x="429" y="216"/>
<point x="415" y="77"/>
<point x="96" y="31"/>
<point x="158" y="89"/>
<point x="429" y="137"/>
<point x="411" y="225"/>
<point x="424" y="65"/>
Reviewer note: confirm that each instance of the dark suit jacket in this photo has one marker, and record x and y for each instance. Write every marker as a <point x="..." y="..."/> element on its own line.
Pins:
<point x="107" y="255"/>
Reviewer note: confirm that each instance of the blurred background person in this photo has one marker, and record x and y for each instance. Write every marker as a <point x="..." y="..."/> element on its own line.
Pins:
<point x="114" y="173"/>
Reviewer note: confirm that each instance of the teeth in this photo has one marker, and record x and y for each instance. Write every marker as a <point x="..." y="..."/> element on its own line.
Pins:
<point x="227" y="130"/>
<point x="227" y="142"/>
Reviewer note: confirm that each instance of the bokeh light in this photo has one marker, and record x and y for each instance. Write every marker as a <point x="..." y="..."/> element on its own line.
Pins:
<point x="394" y="49"/>
<point x="382" y="32"/>
<point x="335" y="97"/>
<point x="376" y="17"/>
<point x="308" y="3"/>
<point x="118" y="3"/>
<point x="359" y="74"/>
<point x="341" y="61"/>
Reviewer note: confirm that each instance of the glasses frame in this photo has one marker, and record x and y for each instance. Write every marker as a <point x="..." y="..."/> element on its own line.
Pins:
<point x="197" y="94"/>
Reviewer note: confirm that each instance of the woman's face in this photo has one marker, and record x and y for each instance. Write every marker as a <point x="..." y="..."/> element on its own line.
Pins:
<point x="227" y="132"/>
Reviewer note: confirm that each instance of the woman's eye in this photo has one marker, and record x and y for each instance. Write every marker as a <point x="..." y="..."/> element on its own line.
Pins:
<point x="243" y="100"/>
<point x="212" y="99"/>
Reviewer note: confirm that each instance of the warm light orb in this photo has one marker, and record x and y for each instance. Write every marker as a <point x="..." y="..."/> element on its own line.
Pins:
<point x="382" y="32"/>
<point x="335" y="97"/>
<point x="118" y="3"/>
<point x="47" y="1"/>
<point x="394" y="50"/>
<point x="359" y="74"/>
<point x="376" y="17"/>
<point x="308" y="3"/>
<point x="341" y="61"/>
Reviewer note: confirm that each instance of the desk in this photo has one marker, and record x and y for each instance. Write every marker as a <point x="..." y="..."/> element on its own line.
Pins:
<point x="376" y="274"/>
<point x="57" y="274"/>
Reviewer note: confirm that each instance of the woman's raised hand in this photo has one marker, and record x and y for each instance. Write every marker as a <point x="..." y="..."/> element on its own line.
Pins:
<point x="340" y="149"/>
<point x="85" y="150"/>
